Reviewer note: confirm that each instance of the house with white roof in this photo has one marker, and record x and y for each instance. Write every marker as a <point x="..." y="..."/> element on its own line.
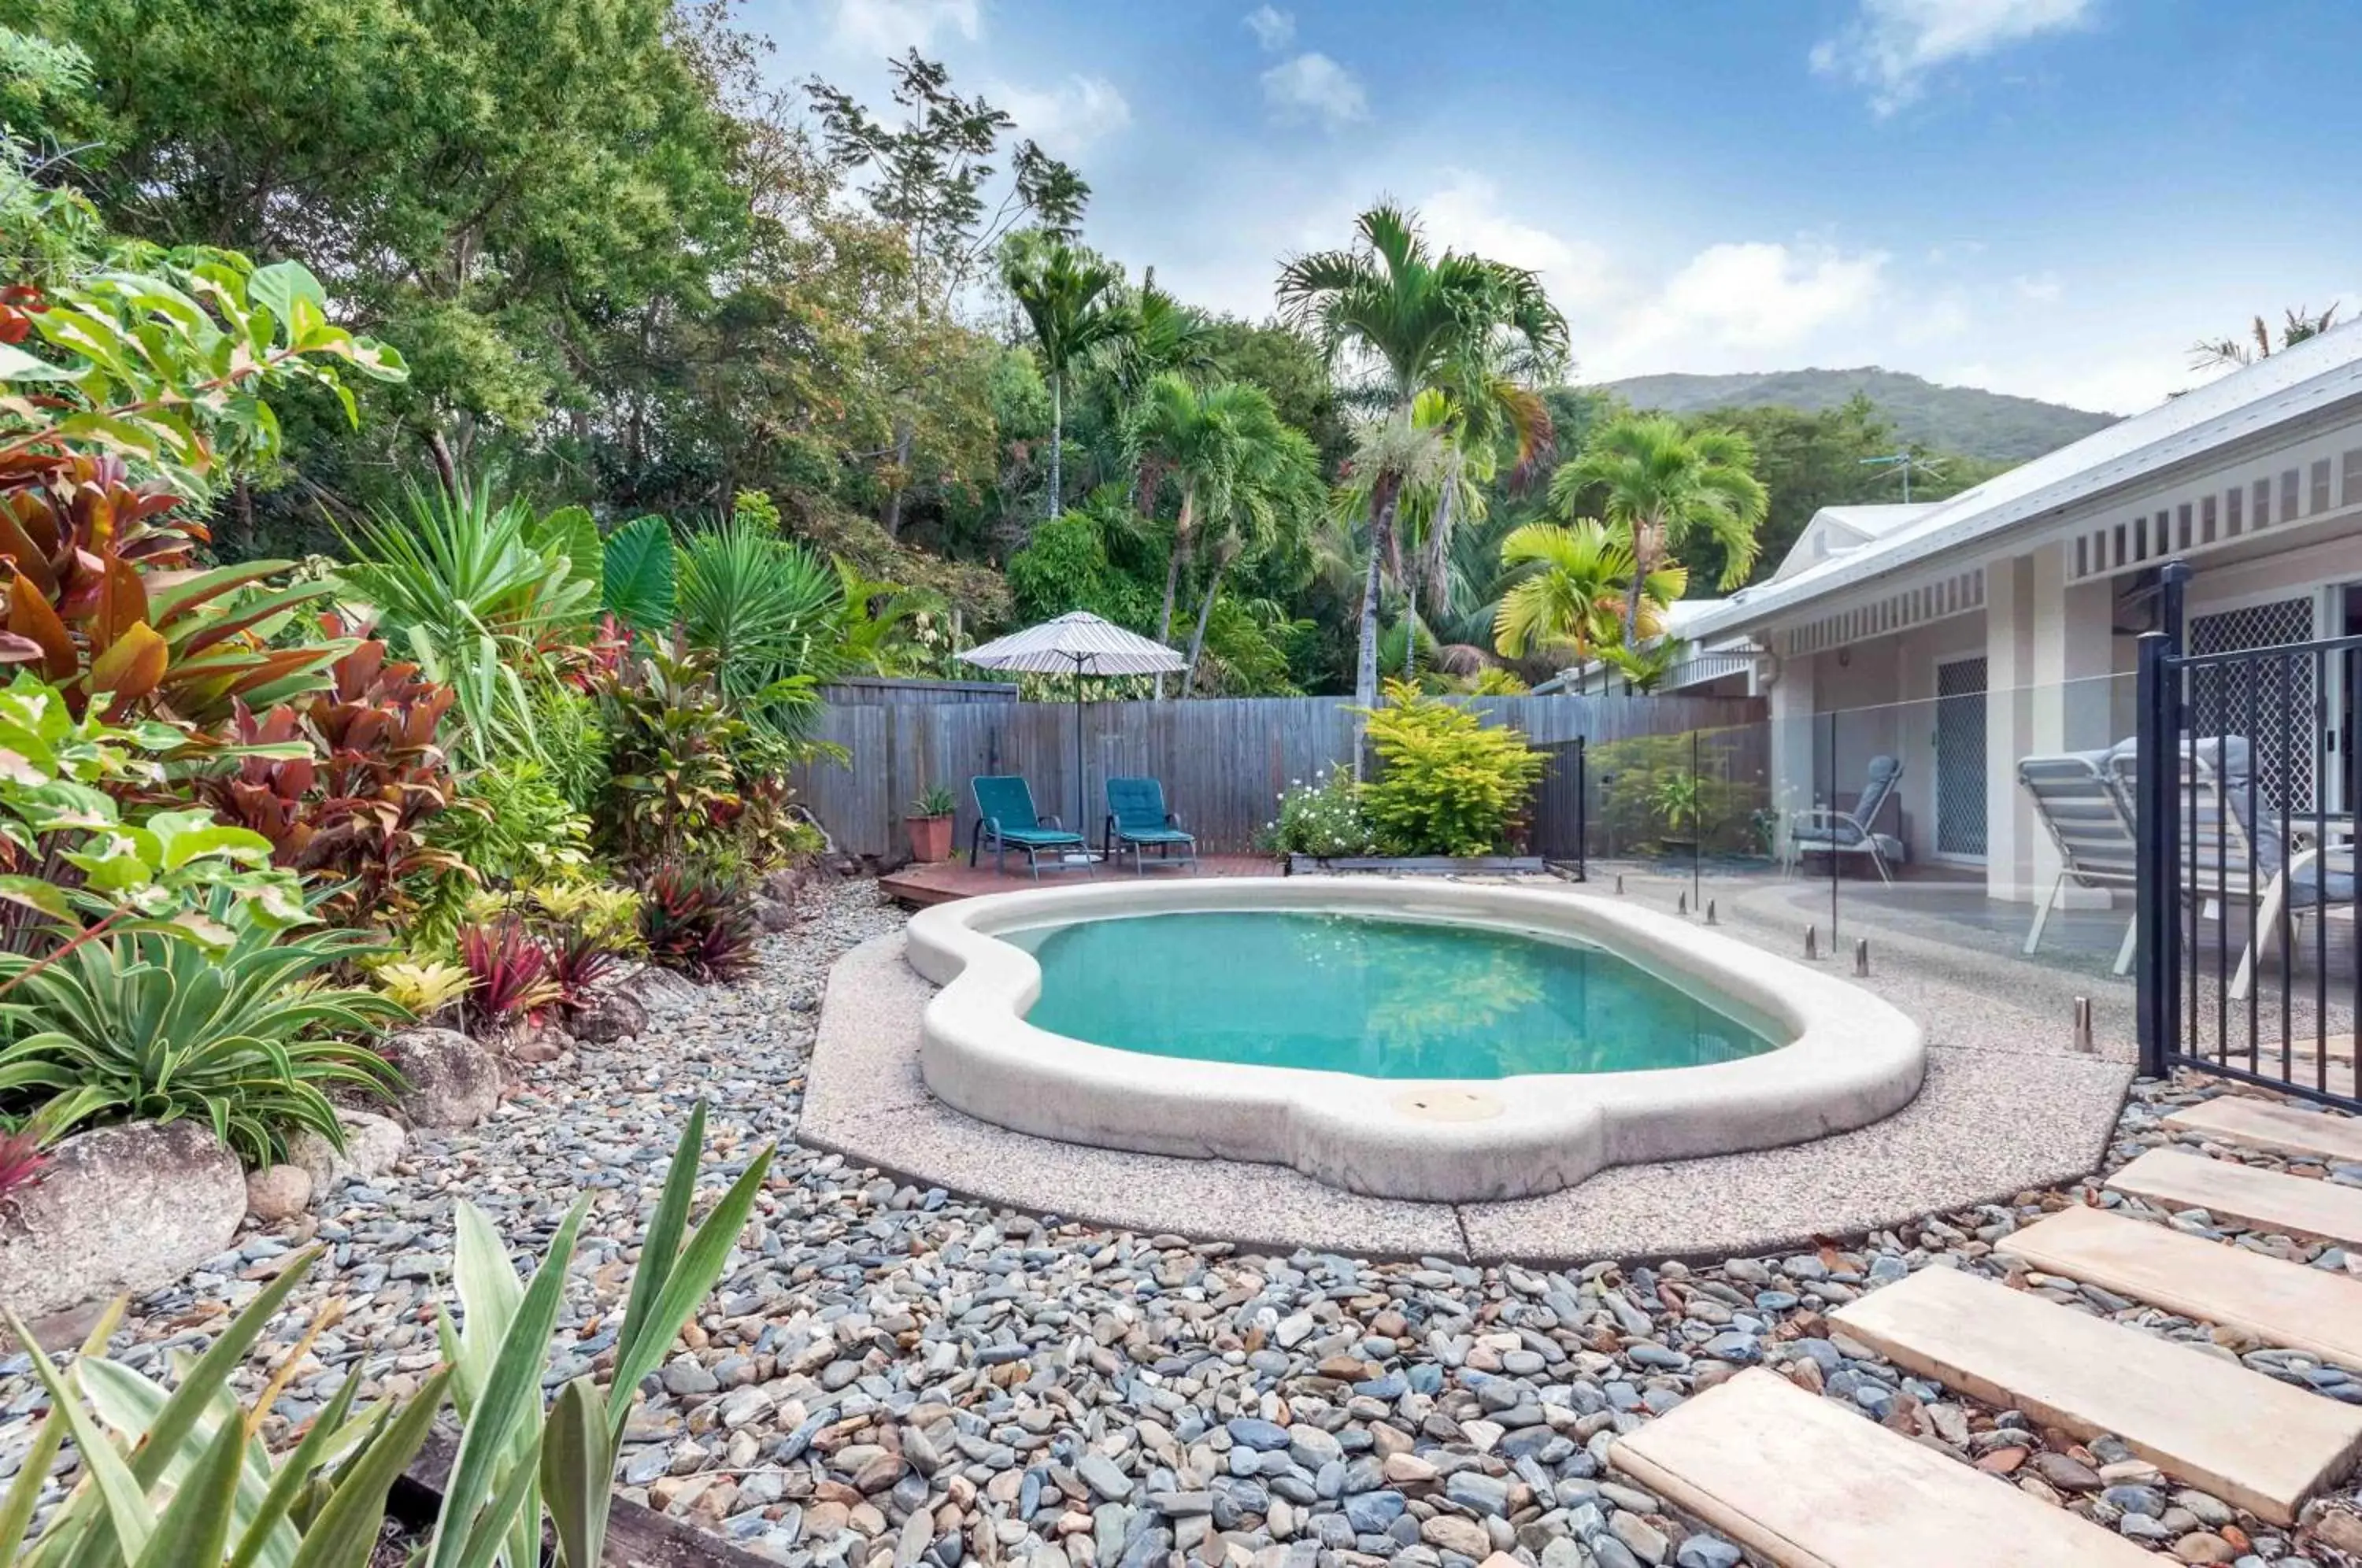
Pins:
<point x="1961" y="634"/>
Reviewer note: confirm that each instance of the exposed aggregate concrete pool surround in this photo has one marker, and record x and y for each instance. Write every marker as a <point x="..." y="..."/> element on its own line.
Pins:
<point x="1849" y="1058"/>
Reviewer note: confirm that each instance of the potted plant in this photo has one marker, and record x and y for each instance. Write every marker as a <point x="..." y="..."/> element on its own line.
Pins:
<point x="930" y="822"/>
<point x="1679" y="803"/>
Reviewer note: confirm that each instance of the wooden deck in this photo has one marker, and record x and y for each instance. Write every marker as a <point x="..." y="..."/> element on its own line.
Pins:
<point x="916" y="886"/>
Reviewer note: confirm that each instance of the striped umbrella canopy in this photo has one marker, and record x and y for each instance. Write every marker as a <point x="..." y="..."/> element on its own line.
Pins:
<point x="1078" y="644"/>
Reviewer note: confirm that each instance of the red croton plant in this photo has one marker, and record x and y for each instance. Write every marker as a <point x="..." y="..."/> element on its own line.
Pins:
<point x="353" y="812"/>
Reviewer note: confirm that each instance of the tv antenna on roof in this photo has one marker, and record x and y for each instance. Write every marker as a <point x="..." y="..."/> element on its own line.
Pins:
<point x="1906" y="462"/>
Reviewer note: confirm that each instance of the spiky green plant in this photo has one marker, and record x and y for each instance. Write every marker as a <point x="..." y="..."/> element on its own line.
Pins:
<point x="767" y="612"/>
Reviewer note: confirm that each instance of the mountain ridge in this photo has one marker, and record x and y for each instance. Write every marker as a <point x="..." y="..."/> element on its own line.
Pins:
<point x="1967" y="420"/>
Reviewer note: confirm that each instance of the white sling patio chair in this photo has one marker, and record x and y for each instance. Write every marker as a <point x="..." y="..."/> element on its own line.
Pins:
<point x="2092" y="824"/>
<point x="2232" y="850"/>
<point x="1824" y="830"/>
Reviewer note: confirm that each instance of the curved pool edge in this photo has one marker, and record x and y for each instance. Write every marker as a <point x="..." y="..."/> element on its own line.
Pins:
<point x="1853" y="1059"/>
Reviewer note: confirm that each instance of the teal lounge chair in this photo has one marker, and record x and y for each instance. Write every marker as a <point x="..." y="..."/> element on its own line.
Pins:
<point x="1004" y="818"/>
<point x="1137" y="818"/>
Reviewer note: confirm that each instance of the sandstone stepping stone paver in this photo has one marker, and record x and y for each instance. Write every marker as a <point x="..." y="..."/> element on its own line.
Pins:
<point x="2268" y="1124"/>
<point x="2238" y="1434"/>
<point x="2271" y="1200"/>
<point x="1809" y="1485"/>
<point x="2281" y="1303"/>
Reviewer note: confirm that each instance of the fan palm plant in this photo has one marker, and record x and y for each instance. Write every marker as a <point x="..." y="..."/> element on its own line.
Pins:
<point x="1662" y="486"/>
<point x="767" y="612"/>
<point x="1411" y="316"/>
<point x="1074" y="302"/>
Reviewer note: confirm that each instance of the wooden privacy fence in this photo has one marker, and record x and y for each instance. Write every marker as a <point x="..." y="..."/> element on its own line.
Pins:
<point x="1223" y="761"/>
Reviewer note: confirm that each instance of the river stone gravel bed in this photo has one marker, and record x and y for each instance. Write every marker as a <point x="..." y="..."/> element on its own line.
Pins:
<point x="891" y="1378"/>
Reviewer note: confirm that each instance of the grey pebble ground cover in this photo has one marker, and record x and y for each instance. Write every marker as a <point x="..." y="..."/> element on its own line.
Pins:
<point x="896" y="1376"/>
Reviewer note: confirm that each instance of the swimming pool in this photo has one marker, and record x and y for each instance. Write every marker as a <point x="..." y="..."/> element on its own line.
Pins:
<point x="1380" y="998"/>
<point x="1442" y="1041"/>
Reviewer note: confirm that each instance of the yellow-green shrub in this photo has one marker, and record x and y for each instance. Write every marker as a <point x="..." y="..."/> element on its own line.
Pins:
<point x="1446" y="784"/>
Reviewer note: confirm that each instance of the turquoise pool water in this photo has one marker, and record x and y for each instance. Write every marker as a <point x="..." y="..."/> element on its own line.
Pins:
<point x="1384" y="999"/>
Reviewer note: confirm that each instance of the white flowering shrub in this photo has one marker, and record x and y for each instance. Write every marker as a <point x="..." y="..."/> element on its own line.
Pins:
<point x="1320" y="817"/>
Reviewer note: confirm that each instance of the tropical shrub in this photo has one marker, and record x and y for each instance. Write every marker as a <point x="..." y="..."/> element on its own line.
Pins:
<point x="353" y="809"/>
<point x="609" y="914"/>
<point x="697" y="923"/>
<point x="479" y="593"/>
<point x="1323" y="817"/>
<point x="768" y="615"/>
<point x="509" y="973"/>
<point x="1446" y="784"/>
<point x="511" y="822"/>
<point x="186" y="1469"/>
<point x="672" y="782"/>
<point x="573" y="743"/>
<point x="636" y="576"/>
<point x="70" y="855"/>
<point x="145" y="1026"/>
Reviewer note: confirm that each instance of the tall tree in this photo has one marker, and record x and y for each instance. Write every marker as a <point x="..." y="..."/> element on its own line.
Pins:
<point x="2299" y="324"/>
<point x="1664" y="486"/>
<point x="1407" y="313"/>
<point x="1073" y="302"/>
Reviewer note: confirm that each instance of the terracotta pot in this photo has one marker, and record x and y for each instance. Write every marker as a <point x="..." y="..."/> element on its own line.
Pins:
<point x="930" y="837"/>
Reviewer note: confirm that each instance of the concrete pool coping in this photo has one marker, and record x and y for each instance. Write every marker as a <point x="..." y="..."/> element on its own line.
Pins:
<point x="1847" y="1059"/>
<point x="2002" y="1110"/>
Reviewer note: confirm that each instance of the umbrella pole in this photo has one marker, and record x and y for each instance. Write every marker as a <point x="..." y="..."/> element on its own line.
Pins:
<point x="1079" y="818"/>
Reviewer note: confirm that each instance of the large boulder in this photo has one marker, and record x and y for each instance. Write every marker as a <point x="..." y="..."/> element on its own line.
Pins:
<point x="453" y="1081"/>
<point x="123" y="1210"/>
<point x="373" y="1143"/>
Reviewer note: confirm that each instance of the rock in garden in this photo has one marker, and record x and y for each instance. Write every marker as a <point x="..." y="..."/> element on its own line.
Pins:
<point x="277" y="1192"/>
<point x="453" y="1081"/>
<point x="615" y="1015"/>
<point x="373" y="1143"/>
<point x="121" y="1211"/>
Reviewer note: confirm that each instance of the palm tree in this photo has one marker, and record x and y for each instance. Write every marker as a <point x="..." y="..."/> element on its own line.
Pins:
<point x="1074" y="302"/>
<point x="1663" y="486"/>
<point x="1409" y="315"/>
<point x="1570" y="600"/>
<point x="2299" y="324"/>
<point x="1273" y="506"/>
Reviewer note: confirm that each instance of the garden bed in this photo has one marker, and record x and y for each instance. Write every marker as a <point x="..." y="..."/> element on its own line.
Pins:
<point x="1419" y="865"/>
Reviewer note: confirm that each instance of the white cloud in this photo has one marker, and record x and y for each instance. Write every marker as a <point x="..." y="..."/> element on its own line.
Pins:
<point x="2043" y="288"/>
<point x="1468" y="213"/>
<point x="1312" y="85"/>
<point x="890" y="26"/>
<point x="1735" y="305"/>
<point x="1274" y="29"/>
<point x="1067" y="117"/>
<point x="1892" y="45"/>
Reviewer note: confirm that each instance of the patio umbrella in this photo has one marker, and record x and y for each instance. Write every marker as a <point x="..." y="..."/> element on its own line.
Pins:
<point x="1076" y="644"/>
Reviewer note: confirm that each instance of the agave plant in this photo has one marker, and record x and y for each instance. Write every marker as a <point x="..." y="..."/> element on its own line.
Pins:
<point x="695" y="923"/>
<point x="180" y="1477"/>
<point x="144" y="1025"/>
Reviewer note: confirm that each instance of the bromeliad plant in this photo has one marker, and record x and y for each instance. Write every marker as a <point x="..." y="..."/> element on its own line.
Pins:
<point x="180" y="1477"/>
<point x="697" y="923"/>
<point x="510" y="973"/>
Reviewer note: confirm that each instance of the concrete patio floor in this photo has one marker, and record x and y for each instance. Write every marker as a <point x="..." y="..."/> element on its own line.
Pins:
<point x="2009" y="1105"/>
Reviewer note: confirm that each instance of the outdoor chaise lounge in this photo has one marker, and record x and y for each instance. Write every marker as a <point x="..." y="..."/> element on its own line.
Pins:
<point x="1137" y="819"/>
<point x="2234" y="851"/>
<point x="1824" y="830"/>
<point x="2091" y="821"/>
<point x="1006" y="820"/>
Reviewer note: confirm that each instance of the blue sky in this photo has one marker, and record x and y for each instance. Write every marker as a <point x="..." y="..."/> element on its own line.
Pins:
<point x="2052" y="197"/>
